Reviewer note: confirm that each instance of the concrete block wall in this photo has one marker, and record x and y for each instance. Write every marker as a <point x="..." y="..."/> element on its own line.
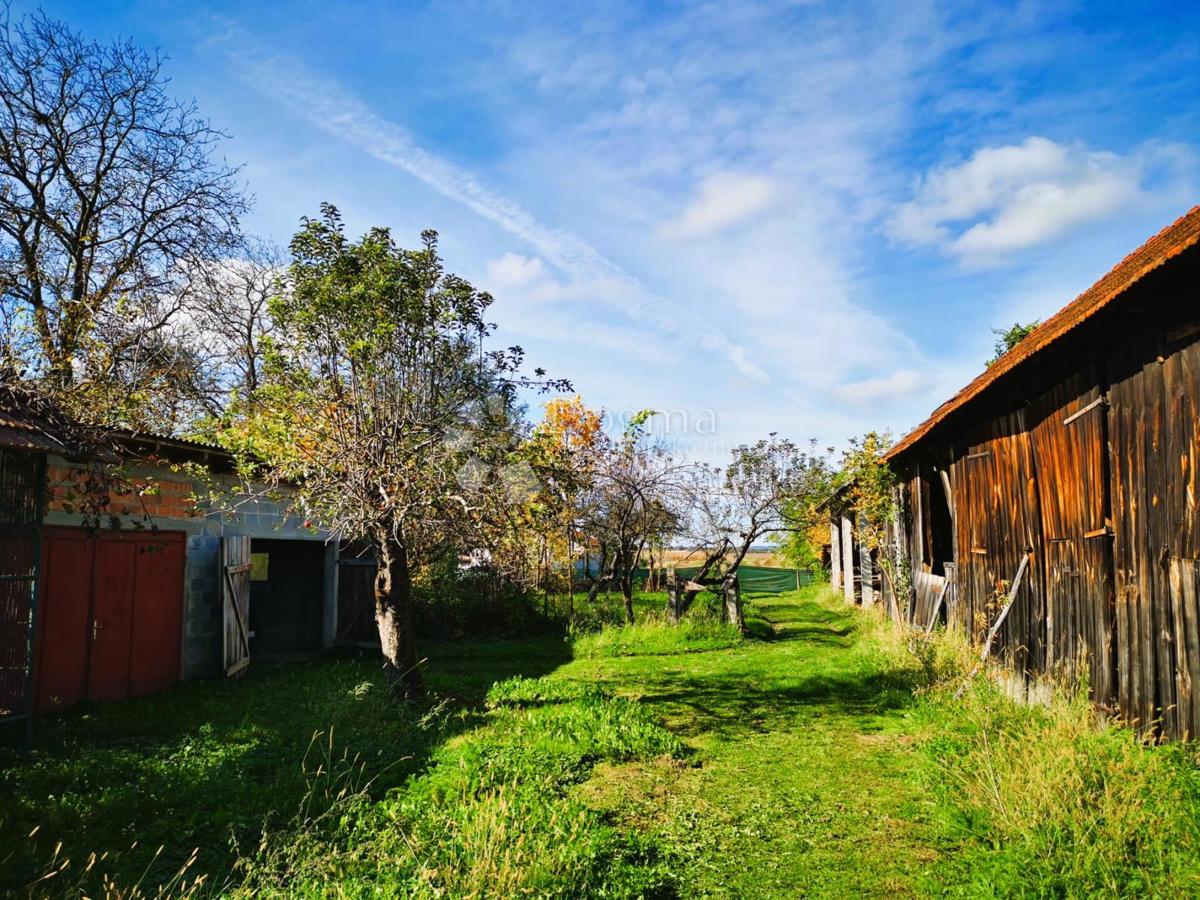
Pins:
<point x="202" y="625"/>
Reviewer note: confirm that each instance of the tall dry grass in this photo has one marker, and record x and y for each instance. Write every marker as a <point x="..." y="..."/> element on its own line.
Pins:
<point x="1046" y="799"/>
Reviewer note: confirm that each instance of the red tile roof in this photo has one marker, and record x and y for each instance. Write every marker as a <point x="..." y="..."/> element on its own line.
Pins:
<point x="1167" y="244"/>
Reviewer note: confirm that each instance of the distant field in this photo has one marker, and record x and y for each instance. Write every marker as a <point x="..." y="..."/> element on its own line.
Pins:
<point x="753" y="558"/>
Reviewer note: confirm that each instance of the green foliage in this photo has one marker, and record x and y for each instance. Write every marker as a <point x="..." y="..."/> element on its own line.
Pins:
<point x="450" y="604"/>
<point x="800" y="550"/>
<point x="871" y="483"/>
<point x="1007" y="338"/>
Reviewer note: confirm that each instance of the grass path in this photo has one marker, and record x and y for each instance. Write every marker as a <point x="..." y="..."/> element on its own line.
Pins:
<point x="799" y="783"/>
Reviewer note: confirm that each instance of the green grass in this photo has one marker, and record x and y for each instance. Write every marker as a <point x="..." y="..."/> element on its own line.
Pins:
<point x="803" y="776"/>
<point x="212" y="765"/>
<point x="1043" y="802"/>
<point x="657" y="637"/>
<point x="819" y="756"/>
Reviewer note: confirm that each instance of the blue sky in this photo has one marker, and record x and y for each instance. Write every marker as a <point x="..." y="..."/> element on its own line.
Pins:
<point x="790" y="217"/>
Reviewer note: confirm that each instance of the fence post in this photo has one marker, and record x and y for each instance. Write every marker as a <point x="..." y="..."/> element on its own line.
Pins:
<point x="847" y="559"/>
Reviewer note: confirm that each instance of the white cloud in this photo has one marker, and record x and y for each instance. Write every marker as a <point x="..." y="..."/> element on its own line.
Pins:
<point x="513" y="271"/>
<point x="1010" y="198"/>
<point x="722" y="200"/>
<point x="326" y="106"/>
<point x="902" y="384"/>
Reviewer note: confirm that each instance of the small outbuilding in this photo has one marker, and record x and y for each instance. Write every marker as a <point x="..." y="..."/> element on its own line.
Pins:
<point x="160" y="586"/>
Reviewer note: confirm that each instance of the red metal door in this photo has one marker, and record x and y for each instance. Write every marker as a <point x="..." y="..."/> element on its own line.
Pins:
<point x="158" y="614"/>
<point x="64" y="622"/>
<point x="111" y="615"/>
<point x="112" y="619"/>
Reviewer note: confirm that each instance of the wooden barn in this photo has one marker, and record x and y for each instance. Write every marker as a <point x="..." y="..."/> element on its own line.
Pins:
<point x="1068" y="469"/>
<point x="161" y="589"/>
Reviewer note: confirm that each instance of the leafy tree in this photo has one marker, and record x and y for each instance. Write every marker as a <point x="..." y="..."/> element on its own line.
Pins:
<point x="1007" y="338"/>
<point x="383" y="411"/>
<point x="770" y="487"/>
<point x="565" y="449"/>
<point x="108" y="189"/>
<point x="871" y="486"/>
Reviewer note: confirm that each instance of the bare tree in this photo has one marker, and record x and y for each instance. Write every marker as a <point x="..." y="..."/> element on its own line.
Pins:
<point x="228" y="304"/>
<point x="108" y="189"/>
<point x="638" y="495"/>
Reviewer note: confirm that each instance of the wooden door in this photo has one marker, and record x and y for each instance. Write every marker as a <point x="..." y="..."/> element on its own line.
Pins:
<point x="1069" y="439"/>
<point x="111" y="615"/>
<point x="356" y="602"/>
<point x="235" y="589"/>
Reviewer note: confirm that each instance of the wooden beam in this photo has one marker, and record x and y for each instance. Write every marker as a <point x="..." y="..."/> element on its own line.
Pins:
<point x="991" y="636"/>
<point x="1099" y="401"/>
<point x="847" y="559"/>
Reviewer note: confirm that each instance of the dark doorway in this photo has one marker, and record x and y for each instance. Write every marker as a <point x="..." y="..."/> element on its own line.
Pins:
<point x="287" y="593"/>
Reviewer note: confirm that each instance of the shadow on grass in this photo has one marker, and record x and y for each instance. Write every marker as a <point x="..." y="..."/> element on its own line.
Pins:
<point x="755" y="695"/>
<point x="209" y="765"/>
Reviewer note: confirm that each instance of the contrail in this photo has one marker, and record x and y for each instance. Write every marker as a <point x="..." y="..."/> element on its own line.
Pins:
<point x="328" y="107"/>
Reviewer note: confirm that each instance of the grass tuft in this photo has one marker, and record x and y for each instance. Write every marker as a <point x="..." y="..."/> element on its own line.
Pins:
<point x="1049" y="801"/>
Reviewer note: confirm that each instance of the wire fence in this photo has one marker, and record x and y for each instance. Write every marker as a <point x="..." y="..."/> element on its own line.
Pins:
<point x="751" y="579"/>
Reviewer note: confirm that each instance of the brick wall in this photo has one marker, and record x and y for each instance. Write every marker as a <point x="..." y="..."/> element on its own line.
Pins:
<point x="159" y="493"/>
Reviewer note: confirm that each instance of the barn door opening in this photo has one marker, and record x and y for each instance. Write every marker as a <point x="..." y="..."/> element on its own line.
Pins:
<point x="235" y="588"/>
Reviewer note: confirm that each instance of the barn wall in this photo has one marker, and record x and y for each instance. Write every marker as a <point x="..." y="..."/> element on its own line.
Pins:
<point x="998" y="524"/>
<point x="1155" y="436"/>
<point x="1068" y="427"/>
<point x="1086" y="457"/>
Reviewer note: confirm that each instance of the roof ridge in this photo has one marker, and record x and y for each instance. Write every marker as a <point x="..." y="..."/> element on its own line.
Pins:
<point x="1169" y="242"/>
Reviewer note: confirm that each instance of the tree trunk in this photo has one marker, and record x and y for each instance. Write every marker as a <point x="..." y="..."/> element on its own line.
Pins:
<point x="394" y="619"/>
<point x="627" y="596"/>
<point x="733" y="602"/>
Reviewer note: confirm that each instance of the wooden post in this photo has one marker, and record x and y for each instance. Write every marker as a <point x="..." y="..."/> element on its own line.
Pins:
<point x="835" y="556"/>
<point x="865" y="570"/>
<point x="847" y="559"/>
<point x="674" y="600"/>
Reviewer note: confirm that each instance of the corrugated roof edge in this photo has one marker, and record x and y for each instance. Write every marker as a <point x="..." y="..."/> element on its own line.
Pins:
<point x="1177" y="237"/>
<point x="151" y="436"/>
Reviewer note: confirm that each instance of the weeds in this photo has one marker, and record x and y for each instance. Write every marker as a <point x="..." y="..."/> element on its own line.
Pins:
<point x="1047" y="800"/>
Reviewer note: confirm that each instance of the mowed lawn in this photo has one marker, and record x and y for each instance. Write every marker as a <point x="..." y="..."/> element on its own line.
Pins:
<point x="801" y="780"/>
<point x="780" y="766"/>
